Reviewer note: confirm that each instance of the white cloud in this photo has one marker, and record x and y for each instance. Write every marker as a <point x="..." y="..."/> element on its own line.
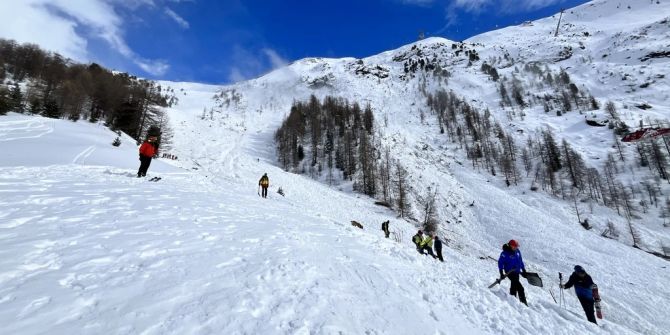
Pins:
<point x="28" y="22"/>
<point x="251" y="63"/>
<point x="275" y="59"/>
<point x="472" y="6"/>
<point x="499" y="6"/>
<point x="236" y="75"/>
<point x="180" y="20"/>
<point x="537" y="4"/>
<point x="502" y="6"/>
<point x="65" y="26"/>
<point x="156" y="67"/>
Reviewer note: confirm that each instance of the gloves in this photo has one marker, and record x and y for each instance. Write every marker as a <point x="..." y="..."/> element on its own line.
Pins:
<point x="524" y="273"/>
<point x="561" y="286"/>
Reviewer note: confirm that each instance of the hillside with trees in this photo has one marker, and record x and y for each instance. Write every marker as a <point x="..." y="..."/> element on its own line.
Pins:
<point x="35" y="81"/>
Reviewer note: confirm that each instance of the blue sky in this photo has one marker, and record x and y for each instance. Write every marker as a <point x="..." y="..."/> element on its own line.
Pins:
<point x="230" y="40"/>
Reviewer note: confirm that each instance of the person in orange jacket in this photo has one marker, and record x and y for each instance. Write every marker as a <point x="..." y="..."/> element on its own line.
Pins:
<point x="147" y="151"/>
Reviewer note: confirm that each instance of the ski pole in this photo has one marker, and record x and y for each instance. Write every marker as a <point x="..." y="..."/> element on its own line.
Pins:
<point x="552" y="295"/>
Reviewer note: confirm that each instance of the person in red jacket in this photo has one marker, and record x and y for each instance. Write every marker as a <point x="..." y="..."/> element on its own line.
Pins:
<point x="147" y="151"/>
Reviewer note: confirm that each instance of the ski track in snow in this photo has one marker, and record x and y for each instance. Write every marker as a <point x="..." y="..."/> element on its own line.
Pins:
<point x="81" y="157"/>
<point x="24" y="129"/>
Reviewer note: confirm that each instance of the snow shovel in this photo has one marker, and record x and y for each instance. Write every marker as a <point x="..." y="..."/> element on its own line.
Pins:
<point x="501" y="279"/>
<point x="497" y="282"/>
<point x="534" y="279"/>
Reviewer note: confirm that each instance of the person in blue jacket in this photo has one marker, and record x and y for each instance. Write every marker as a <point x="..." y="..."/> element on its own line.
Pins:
<point x="584" y="289"/>
<point x="511" y="263"/>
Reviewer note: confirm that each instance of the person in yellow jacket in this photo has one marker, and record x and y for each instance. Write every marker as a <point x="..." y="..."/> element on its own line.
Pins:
<point x="264" y="183"/>
<point x="427" y="244"/>
<point x="417" y="239"/>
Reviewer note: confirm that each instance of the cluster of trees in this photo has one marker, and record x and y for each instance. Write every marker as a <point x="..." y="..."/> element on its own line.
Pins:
<point x="39" y="82"/>
<point x="336" y="140"/>
<point x="555" y="168"/>
<point x="491" y="71"/>
<point x="559" y="93"/>
<point x="415" y="60"/>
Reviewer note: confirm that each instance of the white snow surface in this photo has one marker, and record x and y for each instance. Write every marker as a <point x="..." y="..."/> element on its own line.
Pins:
<point x="89" y="249"/>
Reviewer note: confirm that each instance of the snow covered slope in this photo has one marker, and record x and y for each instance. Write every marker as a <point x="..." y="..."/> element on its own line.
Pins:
<point x="89" y="250"/>
<point x="38" y="141"/>
<point x="617" y="49"/>
<point x="251" y="111"/>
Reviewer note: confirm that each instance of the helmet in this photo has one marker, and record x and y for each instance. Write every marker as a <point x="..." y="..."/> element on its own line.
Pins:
<point x="513" y="243"/>
<point x="579" y="269"/>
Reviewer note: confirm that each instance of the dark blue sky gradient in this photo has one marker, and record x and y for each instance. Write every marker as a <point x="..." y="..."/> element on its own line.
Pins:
<point x="226" y="38"/>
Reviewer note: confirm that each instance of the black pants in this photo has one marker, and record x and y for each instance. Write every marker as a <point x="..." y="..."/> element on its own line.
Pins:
<point x="145" y="161"/>
<point x="516" y="287"/>
<point x="587" y="305"/>
<point x="439" y="255"/>
<point x="429" y="249"/>
<point x="386" y="233"/>
<point x="264" y="191"/>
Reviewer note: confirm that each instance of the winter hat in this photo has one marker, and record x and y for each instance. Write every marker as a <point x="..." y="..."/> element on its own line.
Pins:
<point x="513" y="243"/>
<point x="579" y="269"/>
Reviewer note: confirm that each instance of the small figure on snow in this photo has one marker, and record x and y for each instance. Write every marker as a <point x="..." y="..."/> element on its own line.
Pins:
<point x="147" y="151"/>
<point x="438" y="248"/>
<point x="264" y="183"/>
<point x="417" y="239"/>
<point x="385" y="228"/>
<point x="584" y="289"/>
<point x="427" y="245"/>
<point x="511" y="263"/>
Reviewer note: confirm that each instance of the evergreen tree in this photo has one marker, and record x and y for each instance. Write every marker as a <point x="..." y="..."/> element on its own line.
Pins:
<point x="517" y="93"/>
<point x="368" y="119"/>
<point x="594" y="103"/>
<point x="503" y="94"/>
<point x="611" y="109"/>
<point x="552" y="152"/>
<point x="51" y="109"/>
<point x="430" y="216"/>
<point x="16" y="99"/>
<point x="5" y="102"/>
<point x="401" y="184"/>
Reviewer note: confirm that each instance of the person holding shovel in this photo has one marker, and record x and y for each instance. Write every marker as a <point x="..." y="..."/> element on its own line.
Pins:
<point x="511" y="262"/>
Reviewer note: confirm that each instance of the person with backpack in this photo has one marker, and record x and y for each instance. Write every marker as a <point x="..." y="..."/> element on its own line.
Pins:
<point x="584" y="289"/>
<point x="385" y="228"/>
<point x="511" y="262"/>
<point x="264" y="183"/>
<point x="147" y="151"/>
<point x="427" y="245"/>
<point x="417" y="239"/>
<point x="438" y="248"/>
